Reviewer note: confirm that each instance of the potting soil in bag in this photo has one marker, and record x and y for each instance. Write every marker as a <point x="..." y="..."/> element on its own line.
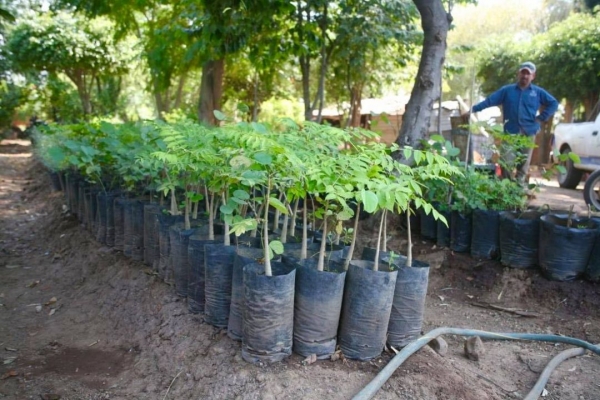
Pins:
<point x="367" y="305"/>
<point x="484" y="235"/>
<point x="218" y="264"/>
<point x="268" y="313"/>
<point x="317" y="307"/>
<point x="460" y="232"/>
<point x="332" y="252"/>
<point x="408" y="308"/>
<point x="368" y="254"/>
<point x="520" y="238"/>
<point x="243" y="256"/>
<point x="565" y="252"/>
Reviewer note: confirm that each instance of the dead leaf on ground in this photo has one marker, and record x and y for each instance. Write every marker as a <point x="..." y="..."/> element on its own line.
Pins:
<point x="51" y="301"/>
<point x="33" y="284"/>
<point x="9" y="360"/>
<point x="9" y="374"/>
<point x="470" y="278"/>
<point x="336" y="356"/>
<point x="52" y="311"/>
<point x="150" y="272"/>
<point x="310" y="359"/>
<point x="38" y="308"/>
<point x="9" y="349"/>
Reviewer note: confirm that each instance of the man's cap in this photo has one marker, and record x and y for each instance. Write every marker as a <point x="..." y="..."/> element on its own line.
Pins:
<point x="528" y="65"/>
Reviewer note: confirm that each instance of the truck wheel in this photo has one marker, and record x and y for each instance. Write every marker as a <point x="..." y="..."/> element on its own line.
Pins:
<point x="571" y="178"/>
<point x="591" y="190"/>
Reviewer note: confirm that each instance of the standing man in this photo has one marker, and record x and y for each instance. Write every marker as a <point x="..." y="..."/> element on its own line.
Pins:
<point x="521" y="103"/>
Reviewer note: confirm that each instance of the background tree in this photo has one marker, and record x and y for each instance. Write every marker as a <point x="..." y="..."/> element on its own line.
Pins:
<point x="61" y="43"/>
<point x="369" y="36"/>
<point x="222" y="28"/>
<point x="435" y="21"/>
<point x="162" y="32"/>
<point x="568" y="57"/>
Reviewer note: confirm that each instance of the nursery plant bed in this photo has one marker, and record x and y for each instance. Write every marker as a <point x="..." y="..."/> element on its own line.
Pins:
<point x="118" y="331"/>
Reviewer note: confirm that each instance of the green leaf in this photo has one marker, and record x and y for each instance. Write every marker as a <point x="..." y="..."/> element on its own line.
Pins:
<point x="251" y="178"/>
<point x="238" y="201"/>
<point x="369" y="200"/>
<point x="278" y="205"/>
<point x="241" y="194"/>
<point x="56" y="154"/>
<point x="452" y="152"/>
<point x="418" y="156"/>
<point x="263" y="158"/>
<point x="260" y="128"/>
<point x="243" y="107"/>
<point x="240" y="226"/>
<point x="226" y="209"/>
<point x="195" y="197"/>
<point x="276" y="246"/>
<point x="345" y="215"/>
<point x="219" y="115"/>
<point x="575" y="158"/>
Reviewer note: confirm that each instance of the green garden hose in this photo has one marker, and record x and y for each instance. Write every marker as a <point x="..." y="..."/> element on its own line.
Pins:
<point x="538" y="388"/>
<point x="369" y="391"/>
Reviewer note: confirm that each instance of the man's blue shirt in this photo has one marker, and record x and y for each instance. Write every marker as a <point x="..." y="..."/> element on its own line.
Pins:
<point x="520" y="106"/>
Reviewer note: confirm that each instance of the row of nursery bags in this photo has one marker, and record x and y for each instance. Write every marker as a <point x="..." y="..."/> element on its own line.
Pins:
<point x="564" y="248"/>
<point x="297" y="308"/>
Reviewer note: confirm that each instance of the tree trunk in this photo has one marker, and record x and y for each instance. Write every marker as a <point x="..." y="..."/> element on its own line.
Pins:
<point x="589" y="104"/>
<point x="255" y="98"/>
<point x="569" y="111"/>
<point x="160" y="108"/>
<point x="179" y="94"/>
<point x="321" y="90"/>
<point x="211" y="91"/>
<point x="304" y="61"/>
<point x="78" y="78"/>
<point x="355" y="105"/>
<point x="426" y="90"/>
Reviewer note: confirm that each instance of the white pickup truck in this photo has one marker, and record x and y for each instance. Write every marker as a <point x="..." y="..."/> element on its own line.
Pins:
<point x="583" y="139"/>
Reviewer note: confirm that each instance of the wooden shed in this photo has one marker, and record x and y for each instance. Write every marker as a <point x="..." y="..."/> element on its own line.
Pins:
<point x="383" y="116"/>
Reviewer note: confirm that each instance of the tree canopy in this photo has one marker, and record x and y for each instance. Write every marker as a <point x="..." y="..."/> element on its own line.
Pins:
<point x="62" y="43"/>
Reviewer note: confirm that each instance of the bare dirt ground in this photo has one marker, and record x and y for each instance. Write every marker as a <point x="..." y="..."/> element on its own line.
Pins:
<point x="81" y="321"/>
